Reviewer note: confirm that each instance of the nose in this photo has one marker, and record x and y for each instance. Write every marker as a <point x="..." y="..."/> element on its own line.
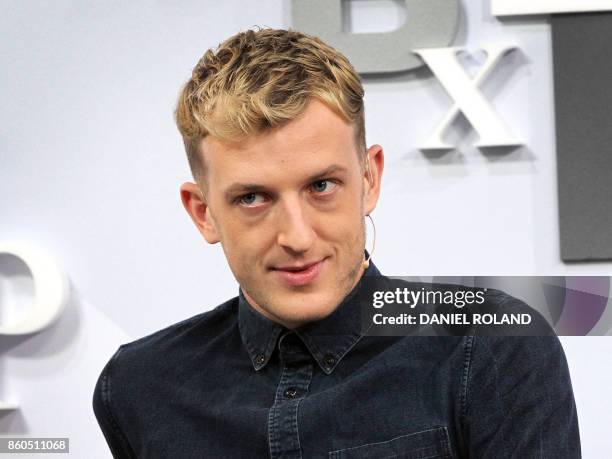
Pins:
<point x="295" y="232"/>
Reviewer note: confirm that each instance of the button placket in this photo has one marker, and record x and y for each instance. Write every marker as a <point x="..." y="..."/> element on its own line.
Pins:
<point x="297" y="370"/>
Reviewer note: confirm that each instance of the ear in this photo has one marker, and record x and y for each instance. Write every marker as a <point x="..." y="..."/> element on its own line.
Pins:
<point x="375" y="163"/>
<point x="197" y="208"/>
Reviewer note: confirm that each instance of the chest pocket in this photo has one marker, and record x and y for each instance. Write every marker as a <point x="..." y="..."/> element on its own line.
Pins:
<point x="426" y="444"/>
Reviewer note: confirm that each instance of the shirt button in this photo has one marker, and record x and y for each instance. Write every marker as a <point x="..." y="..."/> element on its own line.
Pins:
<point x="329" y="360"/>
<point x="260" y="359"/>
<point x="290" y="392"/>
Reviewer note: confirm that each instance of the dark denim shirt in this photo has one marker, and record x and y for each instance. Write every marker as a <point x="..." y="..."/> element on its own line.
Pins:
<point x="230" y="383"/>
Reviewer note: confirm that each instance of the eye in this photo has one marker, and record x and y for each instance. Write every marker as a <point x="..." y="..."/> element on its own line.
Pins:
<point x="250" y="199"/>
<point x="324" y="186"/>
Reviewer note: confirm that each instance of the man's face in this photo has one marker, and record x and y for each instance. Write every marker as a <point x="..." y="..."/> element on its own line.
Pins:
<point x="288" y="207"/>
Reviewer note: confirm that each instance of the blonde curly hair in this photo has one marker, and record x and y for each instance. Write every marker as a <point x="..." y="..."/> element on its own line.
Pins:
<point x="260" y="79"/>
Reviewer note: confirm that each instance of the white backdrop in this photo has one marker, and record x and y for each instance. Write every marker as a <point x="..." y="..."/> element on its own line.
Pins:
<point x="91" y="162"/>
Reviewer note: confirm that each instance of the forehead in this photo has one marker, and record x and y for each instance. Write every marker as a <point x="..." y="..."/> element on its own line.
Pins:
<point x="311" y="142"/>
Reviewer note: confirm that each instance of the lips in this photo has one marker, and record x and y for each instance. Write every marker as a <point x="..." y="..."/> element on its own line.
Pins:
<point x="296" y="267"/>
<point x="297" y="275"/>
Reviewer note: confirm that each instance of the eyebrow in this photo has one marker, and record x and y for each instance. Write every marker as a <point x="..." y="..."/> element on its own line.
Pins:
<point x="246" y="188"/>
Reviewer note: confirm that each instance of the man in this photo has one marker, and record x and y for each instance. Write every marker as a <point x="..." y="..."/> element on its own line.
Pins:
<point x="273" y="126"/>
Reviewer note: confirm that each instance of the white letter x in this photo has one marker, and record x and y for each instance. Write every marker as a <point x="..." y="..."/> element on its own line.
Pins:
<point x="468" y="98"/>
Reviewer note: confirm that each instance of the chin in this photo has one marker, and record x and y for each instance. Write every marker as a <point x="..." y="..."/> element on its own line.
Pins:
<point x="313" y="310"/>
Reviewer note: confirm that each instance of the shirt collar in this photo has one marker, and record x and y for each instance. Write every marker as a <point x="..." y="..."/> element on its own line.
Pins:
<point x="328" y="339"/>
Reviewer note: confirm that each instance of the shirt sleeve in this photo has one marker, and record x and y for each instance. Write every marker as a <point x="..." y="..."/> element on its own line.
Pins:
<point x="518" y="399"/>
<point x="116" y="439"/>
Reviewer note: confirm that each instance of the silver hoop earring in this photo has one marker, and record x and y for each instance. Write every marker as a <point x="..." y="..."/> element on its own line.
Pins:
<point x="366" y="262"/>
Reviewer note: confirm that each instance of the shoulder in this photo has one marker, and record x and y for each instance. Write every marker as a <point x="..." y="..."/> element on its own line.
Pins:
<point x="517" y="352"/>
<point x="147" y="369"/>
<point x="178" y="338"/>
<point x="138" y="363"/>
